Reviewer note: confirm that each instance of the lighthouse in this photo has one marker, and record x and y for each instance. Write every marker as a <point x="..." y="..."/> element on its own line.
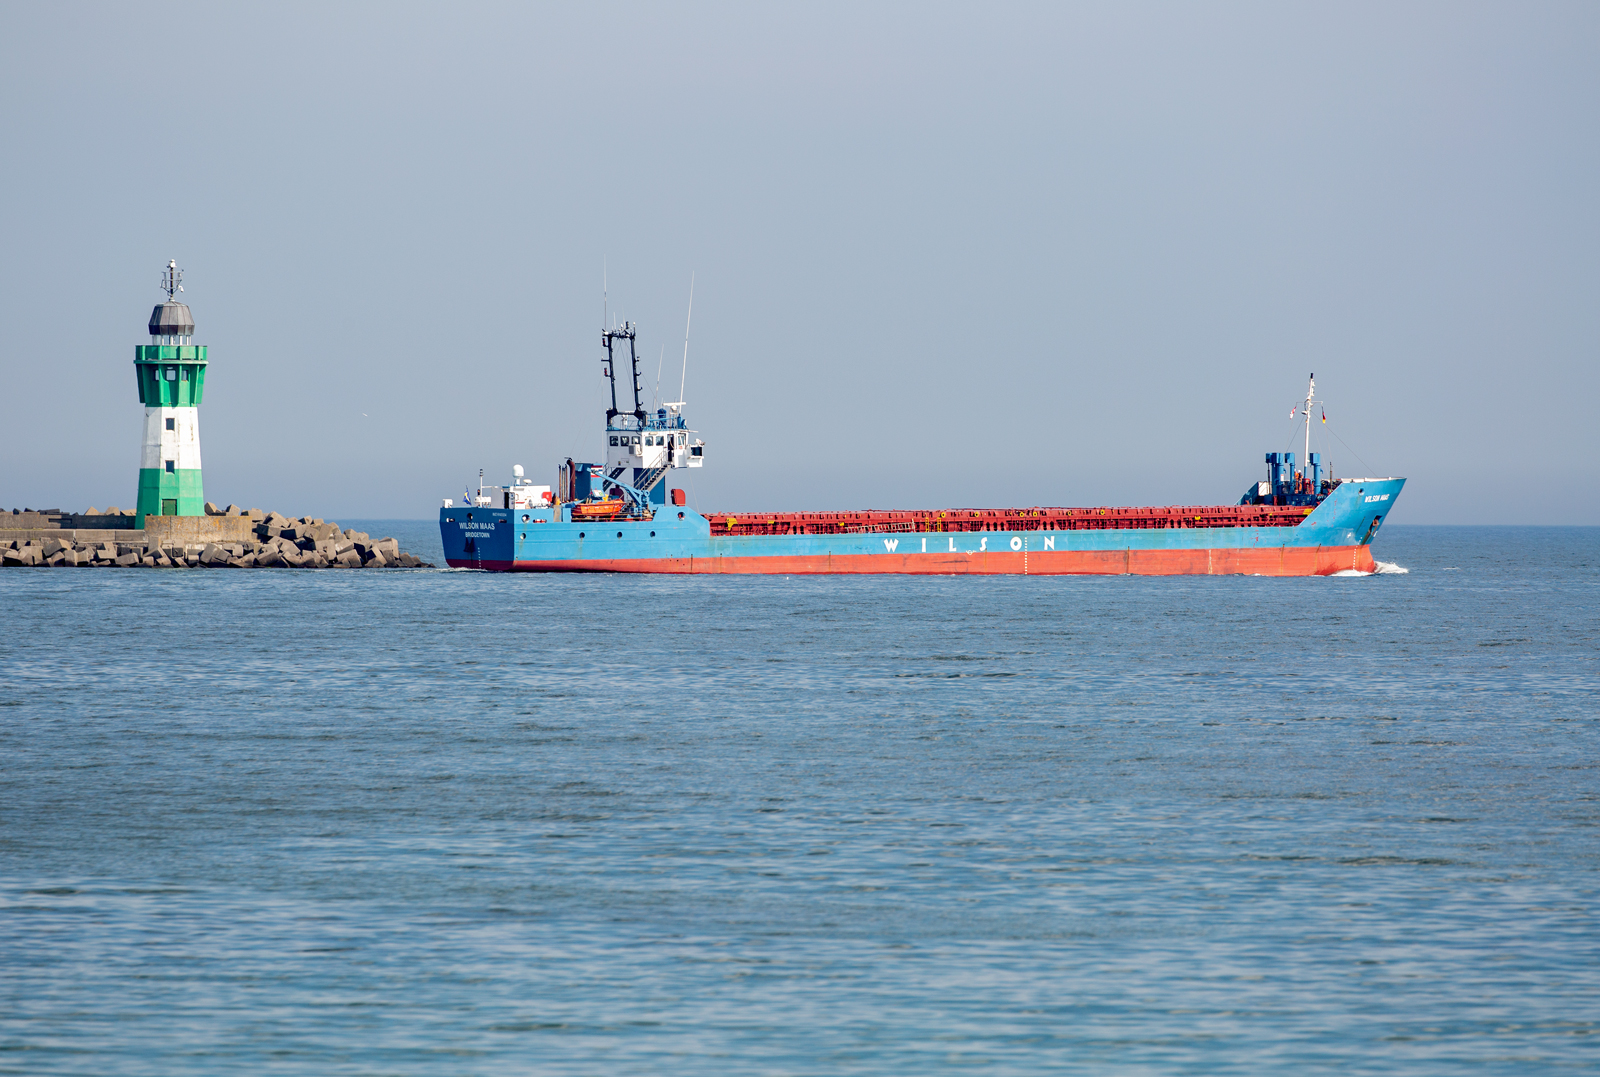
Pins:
<point x="172" y="375"/>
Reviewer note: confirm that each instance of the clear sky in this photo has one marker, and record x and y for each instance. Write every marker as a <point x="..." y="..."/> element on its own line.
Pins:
<point x="984" y="255"/>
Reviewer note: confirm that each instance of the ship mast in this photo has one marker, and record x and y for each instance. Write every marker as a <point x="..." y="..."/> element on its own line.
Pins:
<point x="628" y="333"/>
<point x="1310" y="394"/>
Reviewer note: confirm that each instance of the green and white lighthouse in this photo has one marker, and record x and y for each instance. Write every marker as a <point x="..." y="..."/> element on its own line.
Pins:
<point x="172" y="375"/>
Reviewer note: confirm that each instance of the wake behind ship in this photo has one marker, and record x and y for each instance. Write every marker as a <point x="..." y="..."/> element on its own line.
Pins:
<point x="621" y="515"/>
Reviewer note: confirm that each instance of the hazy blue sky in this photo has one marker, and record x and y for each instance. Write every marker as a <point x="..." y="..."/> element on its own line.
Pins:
<point x="982" y="255"/>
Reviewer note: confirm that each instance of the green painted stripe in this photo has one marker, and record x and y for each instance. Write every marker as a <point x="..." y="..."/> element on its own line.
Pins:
<point x="170" y="384"/>
<point x="181" y="487"/>
<point x="168" y="353"/>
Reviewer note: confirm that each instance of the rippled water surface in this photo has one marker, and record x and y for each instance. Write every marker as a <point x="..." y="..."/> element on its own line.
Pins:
<point x="458" y="823"/>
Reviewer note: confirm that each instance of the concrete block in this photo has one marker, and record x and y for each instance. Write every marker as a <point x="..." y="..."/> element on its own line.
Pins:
<point x="212" y="510"/>
<point x="377" y="560"/>
<point x="147" y="561"/>
<point x="53" y="546"/>
<point x="128" y="559"/>
<point x="342" y="546"/>
<point x="213" y="554"/>
<point x="349" y="558"/>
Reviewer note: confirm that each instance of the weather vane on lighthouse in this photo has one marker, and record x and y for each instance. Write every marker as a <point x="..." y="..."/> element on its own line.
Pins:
<point x="172" y="280"/>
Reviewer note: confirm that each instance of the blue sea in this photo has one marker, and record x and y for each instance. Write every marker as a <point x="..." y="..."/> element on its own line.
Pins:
<point x="438" y="822"/>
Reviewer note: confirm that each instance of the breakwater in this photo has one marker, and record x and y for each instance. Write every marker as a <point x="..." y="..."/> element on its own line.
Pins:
<point x="224" y="538"/>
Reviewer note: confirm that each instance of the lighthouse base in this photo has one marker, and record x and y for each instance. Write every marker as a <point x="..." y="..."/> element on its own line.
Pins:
<point x="170" y="493"/>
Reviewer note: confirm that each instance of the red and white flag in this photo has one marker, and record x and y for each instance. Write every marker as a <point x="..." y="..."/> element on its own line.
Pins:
<point x="1293" y="410"/>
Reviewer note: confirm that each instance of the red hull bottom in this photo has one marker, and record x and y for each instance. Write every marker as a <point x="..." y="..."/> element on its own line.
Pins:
<point x="1278" y="561"/>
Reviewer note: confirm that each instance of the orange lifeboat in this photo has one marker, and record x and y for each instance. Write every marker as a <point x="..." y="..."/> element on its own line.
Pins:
<point x="599" y="510"/>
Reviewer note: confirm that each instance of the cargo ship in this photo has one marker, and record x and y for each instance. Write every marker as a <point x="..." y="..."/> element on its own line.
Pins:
<point x="622" y="514"/>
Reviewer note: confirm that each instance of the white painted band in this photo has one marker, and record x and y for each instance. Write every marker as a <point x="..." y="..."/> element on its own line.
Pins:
<point x="181" y="444"/>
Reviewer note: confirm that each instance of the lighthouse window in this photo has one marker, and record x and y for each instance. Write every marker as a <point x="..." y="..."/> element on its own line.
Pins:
<point x="172" y="424"/>
<point x="170" y="466"/>
<point x="172" y="375"/>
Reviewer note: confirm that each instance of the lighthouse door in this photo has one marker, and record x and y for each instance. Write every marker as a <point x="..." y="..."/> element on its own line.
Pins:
<point x="169" y="506"/>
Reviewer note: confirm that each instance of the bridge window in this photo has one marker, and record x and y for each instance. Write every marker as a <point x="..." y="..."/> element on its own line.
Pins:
<point x="613" y="439"/>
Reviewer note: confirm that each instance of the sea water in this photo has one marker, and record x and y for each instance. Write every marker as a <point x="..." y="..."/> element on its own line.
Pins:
<point x="436" y="822"/>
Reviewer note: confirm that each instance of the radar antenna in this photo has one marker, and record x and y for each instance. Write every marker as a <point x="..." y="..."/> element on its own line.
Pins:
<point x="172" y="280"/>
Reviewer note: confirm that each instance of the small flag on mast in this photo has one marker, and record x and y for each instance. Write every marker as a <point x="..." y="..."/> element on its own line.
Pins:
<point x="1324" y="416"/>
<point x="1293" y="411"/>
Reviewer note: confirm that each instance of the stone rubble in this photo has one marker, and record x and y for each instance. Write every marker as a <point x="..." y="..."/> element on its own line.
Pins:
<point x="281" y="542"/>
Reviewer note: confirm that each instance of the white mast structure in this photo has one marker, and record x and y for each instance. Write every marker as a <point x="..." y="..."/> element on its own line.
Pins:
<point x="1311" y="398"/>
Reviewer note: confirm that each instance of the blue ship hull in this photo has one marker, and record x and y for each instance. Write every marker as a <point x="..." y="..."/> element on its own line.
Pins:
<point x="1333" y="536"/>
